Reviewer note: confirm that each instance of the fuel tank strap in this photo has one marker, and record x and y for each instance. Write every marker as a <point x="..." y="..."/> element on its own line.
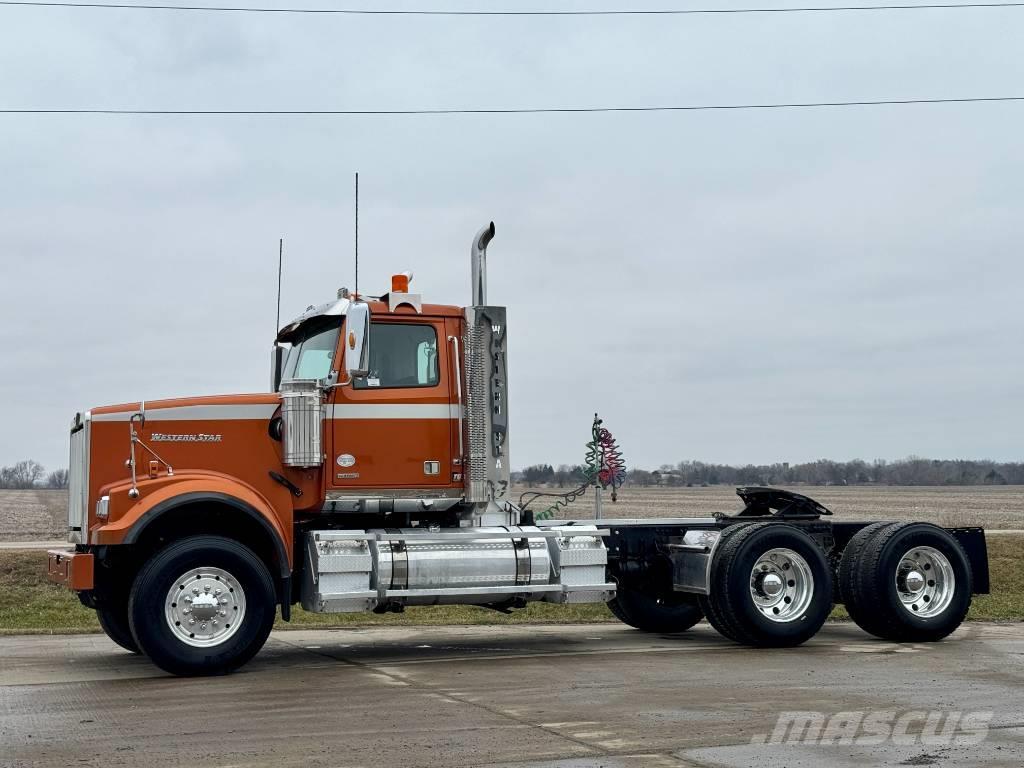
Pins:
<point x="399" y="562"/>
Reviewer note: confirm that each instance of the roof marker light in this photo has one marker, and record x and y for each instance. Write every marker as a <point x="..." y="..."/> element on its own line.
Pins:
<point x="400" y="283"/>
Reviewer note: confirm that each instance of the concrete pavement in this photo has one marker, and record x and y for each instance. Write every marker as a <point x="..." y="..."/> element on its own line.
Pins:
<point x="514" y="697"/>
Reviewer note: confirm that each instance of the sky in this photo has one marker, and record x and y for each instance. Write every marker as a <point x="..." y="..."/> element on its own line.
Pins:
<point x="731" y="286"/>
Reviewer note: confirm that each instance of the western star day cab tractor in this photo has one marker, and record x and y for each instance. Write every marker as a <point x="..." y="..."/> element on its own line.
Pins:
<point x="375" y="475"/>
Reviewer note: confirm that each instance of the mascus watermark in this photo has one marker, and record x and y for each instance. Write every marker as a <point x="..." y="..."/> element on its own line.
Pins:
<point x="874" y="727"/>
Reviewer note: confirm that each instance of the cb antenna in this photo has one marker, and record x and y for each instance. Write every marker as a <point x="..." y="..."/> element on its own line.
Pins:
<point x="280" y="261"/>
<point x="357" y="234"/>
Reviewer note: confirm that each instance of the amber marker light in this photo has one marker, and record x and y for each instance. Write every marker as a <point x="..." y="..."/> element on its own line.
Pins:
<point x="400" y="283"/>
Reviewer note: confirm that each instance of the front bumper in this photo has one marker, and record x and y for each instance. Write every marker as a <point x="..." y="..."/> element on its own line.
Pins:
<point x="73" y="570"/>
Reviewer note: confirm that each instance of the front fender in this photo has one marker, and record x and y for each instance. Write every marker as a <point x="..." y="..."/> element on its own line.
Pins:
<point x="167" y="493"/>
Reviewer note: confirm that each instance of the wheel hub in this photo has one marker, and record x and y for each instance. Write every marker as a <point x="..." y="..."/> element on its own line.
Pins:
<point x="914" y="582"/>
<point x="772" y="584"/>
<point x="204" y="607"/>
<point x="781" y="585"/>
<point x="925" y="581"/>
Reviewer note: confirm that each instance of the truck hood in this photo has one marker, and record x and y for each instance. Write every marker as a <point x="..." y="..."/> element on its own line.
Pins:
<point x="207" y="408"/>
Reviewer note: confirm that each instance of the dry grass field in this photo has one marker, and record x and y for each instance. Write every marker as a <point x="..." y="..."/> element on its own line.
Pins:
<point x="40" y="515"/>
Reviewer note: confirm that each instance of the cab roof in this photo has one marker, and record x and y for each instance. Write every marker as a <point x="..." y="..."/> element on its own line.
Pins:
<point x="378" y="306"/>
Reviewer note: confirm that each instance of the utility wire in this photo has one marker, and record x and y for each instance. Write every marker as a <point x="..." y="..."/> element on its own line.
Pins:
<point x="402" y="12"/>
<point x="505" y="111"/>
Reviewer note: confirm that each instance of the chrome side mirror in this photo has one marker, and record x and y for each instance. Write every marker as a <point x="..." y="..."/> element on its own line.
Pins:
<point x="277" y="355"/>
<point x="357" y="340"/>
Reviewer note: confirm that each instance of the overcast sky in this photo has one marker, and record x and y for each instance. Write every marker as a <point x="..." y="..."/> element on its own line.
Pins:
<point x="741" y="286"/>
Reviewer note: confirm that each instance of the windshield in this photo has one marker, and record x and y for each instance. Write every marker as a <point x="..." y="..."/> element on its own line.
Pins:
<point x="312" y="351"/>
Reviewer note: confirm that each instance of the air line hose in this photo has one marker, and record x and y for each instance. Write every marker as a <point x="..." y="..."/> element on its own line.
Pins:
<point x="603" y="465"/>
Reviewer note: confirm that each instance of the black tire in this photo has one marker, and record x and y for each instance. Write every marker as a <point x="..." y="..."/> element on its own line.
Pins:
<point x="868" y="574"/>
<point x="114" y="622"/>
<point x="710" y="607"/>
<point x="731" y="606"/>
<point x="165" y="644"/>
<point x="669" y="613"/>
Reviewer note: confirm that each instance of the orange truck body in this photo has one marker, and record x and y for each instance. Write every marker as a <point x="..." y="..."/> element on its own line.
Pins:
<point x="219" y="447"/>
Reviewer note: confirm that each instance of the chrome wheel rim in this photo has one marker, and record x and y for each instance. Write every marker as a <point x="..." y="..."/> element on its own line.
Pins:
<point x="925" y="581"/>
<point x="205" y="607"/>
<point x="781" y="585"/>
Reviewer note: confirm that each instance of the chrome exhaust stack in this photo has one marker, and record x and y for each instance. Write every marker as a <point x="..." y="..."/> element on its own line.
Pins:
<point x="479" y="264"/>
<point x="485" y="345"/>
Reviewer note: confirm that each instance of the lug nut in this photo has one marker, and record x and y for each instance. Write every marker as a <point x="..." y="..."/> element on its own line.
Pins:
<point x="216" y="591"/>
<point x="191" y="621"/>
<point x="195" y="590"/>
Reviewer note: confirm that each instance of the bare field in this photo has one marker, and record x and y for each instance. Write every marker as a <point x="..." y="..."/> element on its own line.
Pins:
<point x="997" y="507"/>
<point x="41" y="514"/>
<point x="33" y="515"/>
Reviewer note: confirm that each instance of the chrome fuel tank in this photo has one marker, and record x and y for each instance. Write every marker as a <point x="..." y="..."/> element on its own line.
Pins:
<point x="476" y="559"/>
<point x="383" y="568"/>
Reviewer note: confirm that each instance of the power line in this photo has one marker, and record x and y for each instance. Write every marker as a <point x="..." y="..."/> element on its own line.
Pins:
<point x="505" y="110"/>
<point x="403" y="12"/>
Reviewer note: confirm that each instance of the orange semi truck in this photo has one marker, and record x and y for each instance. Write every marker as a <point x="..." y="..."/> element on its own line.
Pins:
<point x="375" y="475"/>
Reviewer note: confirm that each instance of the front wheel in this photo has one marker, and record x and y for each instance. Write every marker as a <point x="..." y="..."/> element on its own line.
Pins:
<point x="202" y="606"/>
<point x="668" y="613"/>
<point x="113" y="621"/>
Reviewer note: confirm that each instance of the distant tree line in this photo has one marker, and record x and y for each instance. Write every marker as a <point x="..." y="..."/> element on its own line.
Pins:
<point x="31" y="474"/>
<point x="910" y="471"/>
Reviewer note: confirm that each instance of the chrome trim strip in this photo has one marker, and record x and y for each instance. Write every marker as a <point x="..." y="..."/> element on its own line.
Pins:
<point x="456" y="591"/>
<point x="241" y="411"/>
<point x="393" y="493"/>
<point x="457" y="364"/>
<point x="343" y="411"/>
<point x="466" y="534"/>
<point x="223" y="412"/>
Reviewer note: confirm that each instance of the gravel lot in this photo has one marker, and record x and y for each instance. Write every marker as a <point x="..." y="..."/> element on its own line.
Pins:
<point x="41" y="515"/>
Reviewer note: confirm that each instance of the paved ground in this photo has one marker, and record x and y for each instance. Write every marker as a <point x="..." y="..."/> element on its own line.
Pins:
<point x="515" y="697"/>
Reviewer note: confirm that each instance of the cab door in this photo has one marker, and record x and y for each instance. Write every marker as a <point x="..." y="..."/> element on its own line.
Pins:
<point x="394" y="428"/>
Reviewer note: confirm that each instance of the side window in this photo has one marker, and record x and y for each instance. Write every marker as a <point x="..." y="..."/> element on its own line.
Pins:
<point x="401" y="356"/>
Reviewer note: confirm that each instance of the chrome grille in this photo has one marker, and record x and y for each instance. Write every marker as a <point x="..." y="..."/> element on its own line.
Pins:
<point x="78" y="478"/>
